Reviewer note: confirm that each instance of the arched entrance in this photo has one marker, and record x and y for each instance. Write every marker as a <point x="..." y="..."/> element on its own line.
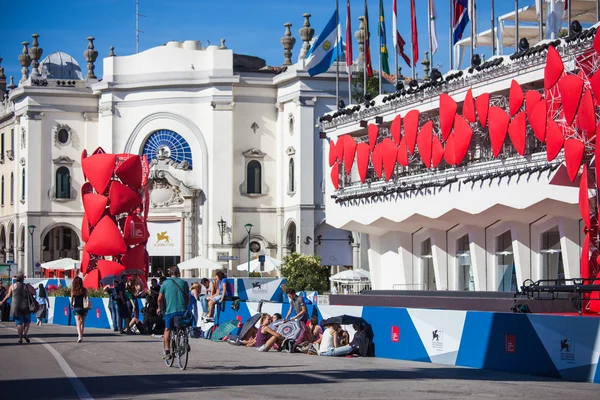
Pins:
<point x="10" y="255"/>
<point x="60" y="242"/>
<point x="290" y="238"/>
<point x="3" y="246"/>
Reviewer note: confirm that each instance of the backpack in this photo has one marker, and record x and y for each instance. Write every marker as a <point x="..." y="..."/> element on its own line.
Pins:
<point x="209" y="332"/>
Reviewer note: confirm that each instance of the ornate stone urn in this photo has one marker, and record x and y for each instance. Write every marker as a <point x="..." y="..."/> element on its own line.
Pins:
<point x="25" y="62"/>
<point x="306" y="34"/>
<point x="90" y="56"/>
<point x="288" y="42"/>
<point x="35" y="53"/>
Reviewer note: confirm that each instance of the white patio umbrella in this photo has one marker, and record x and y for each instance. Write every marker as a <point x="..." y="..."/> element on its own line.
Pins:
<point x="62" y="264"/>
<point x="349" y="276"/>
<point x="270" y="264"/>
<point x="201" y="263"/>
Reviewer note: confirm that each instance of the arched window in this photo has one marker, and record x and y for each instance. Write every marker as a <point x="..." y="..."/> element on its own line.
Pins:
<point x="23" y="184"/>
<point x="12" y="187"/>
<point x="2" y="190"/>
<point x="291" y="125"/>
<point x="291" y="182"/>
<point x="552" y="260"/>
<point x="63" y="183"/>
<point x="254" y="177"/>
<point x="168" y="144"/>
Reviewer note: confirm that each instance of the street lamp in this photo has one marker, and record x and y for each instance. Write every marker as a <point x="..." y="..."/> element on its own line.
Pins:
<point x="31" y="229"/>
<point x="248" y="229"/>
<point x="221" y="224"/>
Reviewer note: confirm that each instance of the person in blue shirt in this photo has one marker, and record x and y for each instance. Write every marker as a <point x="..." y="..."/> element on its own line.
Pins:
<point x="216" y="294"/>
<point x="175" y="293"/>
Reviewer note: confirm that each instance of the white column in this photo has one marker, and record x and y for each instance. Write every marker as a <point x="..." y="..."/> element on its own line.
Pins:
<point x="521" y="251"/>
<point x="440" y="261"/>
<point x="477" y="248"/>
<point x="570" y="231"/>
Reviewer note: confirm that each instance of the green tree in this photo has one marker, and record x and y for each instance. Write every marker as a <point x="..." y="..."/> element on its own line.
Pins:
<point x="358" y="83"/>
<point x="305" y="272"/>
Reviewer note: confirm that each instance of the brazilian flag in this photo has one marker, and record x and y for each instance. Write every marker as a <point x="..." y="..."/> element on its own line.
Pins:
<point x="385" y="64"/>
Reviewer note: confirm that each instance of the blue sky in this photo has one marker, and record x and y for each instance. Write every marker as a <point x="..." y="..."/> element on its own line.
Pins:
<point x="249" y="27"/>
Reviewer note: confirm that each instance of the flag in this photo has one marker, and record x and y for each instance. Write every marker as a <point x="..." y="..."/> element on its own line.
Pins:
<point x="385" y="64"/>
<point x="368" y="65"/>
<point x="461" y="19"/>
<point x="324" y="50"/>
<point x="432" y="29"/>
<point x="415" y="37"/>
<point x="473" y="19"/>
<point x="399" y="42"/>
<point x="538" y="8"/>
<point x="555" y="18"/>
<point x="348" y="39"/>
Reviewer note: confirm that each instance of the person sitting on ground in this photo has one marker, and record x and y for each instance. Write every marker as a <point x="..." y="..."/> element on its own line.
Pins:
<point x="343" y="337"/>
<point x="251" y="335"/>
<point x="296" y="304"/>
<point x="276" y="317"/>
<point x="219" y="289"/>
<point x="153" y="323"/>
<point x="330" y="345"/>
<point x="266" y="337"/>
<point x="312" y="334"/>
<point x="358" y="336"/>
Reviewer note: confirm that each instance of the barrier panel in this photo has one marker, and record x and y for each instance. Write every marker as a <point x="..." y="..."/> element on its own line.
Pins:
<point x="564" y="347"/>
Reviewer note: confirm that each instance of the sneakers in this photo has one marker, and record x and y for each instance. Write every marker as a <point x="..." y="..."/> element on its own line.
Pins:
<point x="167" y="355"/>
<point x="262" y="348"/>
<point x="26" y="339"/>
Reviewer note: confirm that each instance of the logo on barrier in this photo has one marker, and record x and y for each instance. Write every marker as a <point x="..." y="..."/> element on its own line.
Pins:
<point x="66" y="311"/>
<point x="437" y="339"/>
<point x="510" y="345"/>
<point x="567" y="351"/>
<point x="395" y="333"/>
<point x="97" y="313"/>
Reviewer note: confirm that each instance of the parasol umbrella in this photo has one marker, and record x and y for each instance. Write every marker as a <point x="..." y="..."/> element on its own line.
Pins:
<point x="349" y="275"/>
<point x="224" y="329"/>
<point x="270" y="264"/>
<point x="343" y="320"/>
<point x="290" y="329"/>
<point x="248" y="325"/>
<point x="62" y="264"/>
<point x="200" y="263"/>
<point x="110" y="279"/>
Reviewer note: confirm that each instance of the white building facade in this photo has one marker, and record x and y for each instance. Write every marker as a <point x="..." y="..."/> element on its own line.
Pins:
<point x="487" y="224"/>
<point x="230" y="142"/>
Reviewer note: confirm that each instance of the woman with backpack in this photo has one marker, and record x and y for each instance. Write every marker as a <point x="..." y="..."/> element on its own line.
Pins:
<point x="44" y="302"/>
<point x="19" y="310"/>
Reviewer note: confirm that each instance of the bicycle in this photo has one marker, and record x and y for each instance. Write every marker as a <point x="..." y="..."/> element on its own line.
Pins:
<point x="179" y="346"/>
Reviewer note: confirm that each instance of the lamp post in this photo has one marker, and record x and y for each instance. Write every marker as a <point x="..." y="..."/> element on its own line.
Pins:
<point x="248" y="229"/>
<point x="221" y="224"/>
<point x="31" y="229"/>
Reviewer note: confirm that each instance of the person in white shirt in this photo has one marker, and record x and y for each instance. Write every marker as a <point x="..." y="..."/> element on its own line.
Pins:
<point x="334" y="289"/>
<point x="330" y="346"/>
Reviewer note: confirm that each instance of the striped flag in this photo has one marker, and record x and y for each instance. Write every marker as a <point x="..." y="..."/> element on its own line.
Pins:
<point x="385" y="65"/>
<point x="399" y="42"/>
<point x="432" y="28"/>
<point x="415" y="36"/>
<point x="324" y="50"/>
<point x="348" y="39"/>
<point x="368" y="64"/>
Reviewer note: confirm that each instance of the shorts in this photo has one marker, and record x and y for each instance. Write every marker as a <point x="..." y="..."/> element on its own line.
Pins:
<point x="217" y="298"/>
<point x="22" y="319"/>
<point x="170" y="319"/>
<point x="82" y="312"/>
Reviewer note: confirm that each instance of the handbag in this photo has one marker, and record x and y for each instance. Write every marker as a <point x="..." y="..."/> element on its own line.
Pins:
<point x="87" y="304"/>
<point x="32" y="303"/>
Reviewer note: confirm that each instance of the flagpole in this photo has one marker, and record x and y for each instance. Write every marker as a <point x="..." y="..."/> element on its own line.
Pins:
<point x="379" y="34"/>
<point x="541" y="21"/>
<point x="516" y="25"/>
<point x="337" y="50"/>
<point x="395" y="41"/>
<point x="569" y="16"/>
<point x="412" y="45"/>
<point x="367" y="43"/>
<point x="429" y="31"/>
<point x="349" y="46"/>
<point x="472" y="11"/>
<point x="494" y="29"/>
<point x="451" y="36"/>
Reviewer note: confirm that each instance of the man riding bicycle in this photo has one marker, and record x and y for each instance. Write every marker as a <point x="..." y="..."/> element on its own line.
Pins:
<point x="175" y="292"/>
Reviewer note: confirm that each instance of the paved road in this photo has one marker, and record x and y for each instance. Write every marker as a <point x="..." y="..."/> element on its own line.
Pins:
<point x="108" y="366"/>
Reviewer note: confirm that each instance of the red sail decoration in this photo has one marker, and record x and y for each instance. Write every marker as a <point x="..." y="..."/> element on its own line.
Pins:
<point x="458" y="142"/>
<point x="554" y="140"/>
<point x="373" y="132"/>
<point x="403" y="153"/>
<point x="339" y="148"/>
<point x="584" y="199"/>
<point x="469" y="107"/>
<point x="584" y="264"/>
<point x="532" y="99"/>
<point x="411" y="127"/>
<point x="570" y="88"/>
<point x="586" y="116"/>
<point x="377" y="160"/>
<point x="538" y="120"/>
<point x="448" y="108"/>
<point x="437" y="151"/>
<point x="335" y="175"/>
<point x="554" y="68"/>
<point x="390" y="154"/>
<point x="516" y="98"/>
<point x="424" y="143"/>
<point x="498" y="128"/>
<point x="362" y="160"/>
<point x="595" y="83"/>
<point x="349" y="153"/>
<point x="396" y="128"/>
<point x="482" y="104"/>
<point x="124" y="177"/>
<point x="574" y="149"/>
<point x="516" y="132"/>
<point x="332" y="153"/>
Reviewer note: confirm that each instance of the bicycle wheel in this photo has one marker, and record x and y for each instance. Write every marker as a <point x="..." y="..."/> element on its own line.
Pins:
<point x="169" y="361"/>
<point x="182" y="349"/>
